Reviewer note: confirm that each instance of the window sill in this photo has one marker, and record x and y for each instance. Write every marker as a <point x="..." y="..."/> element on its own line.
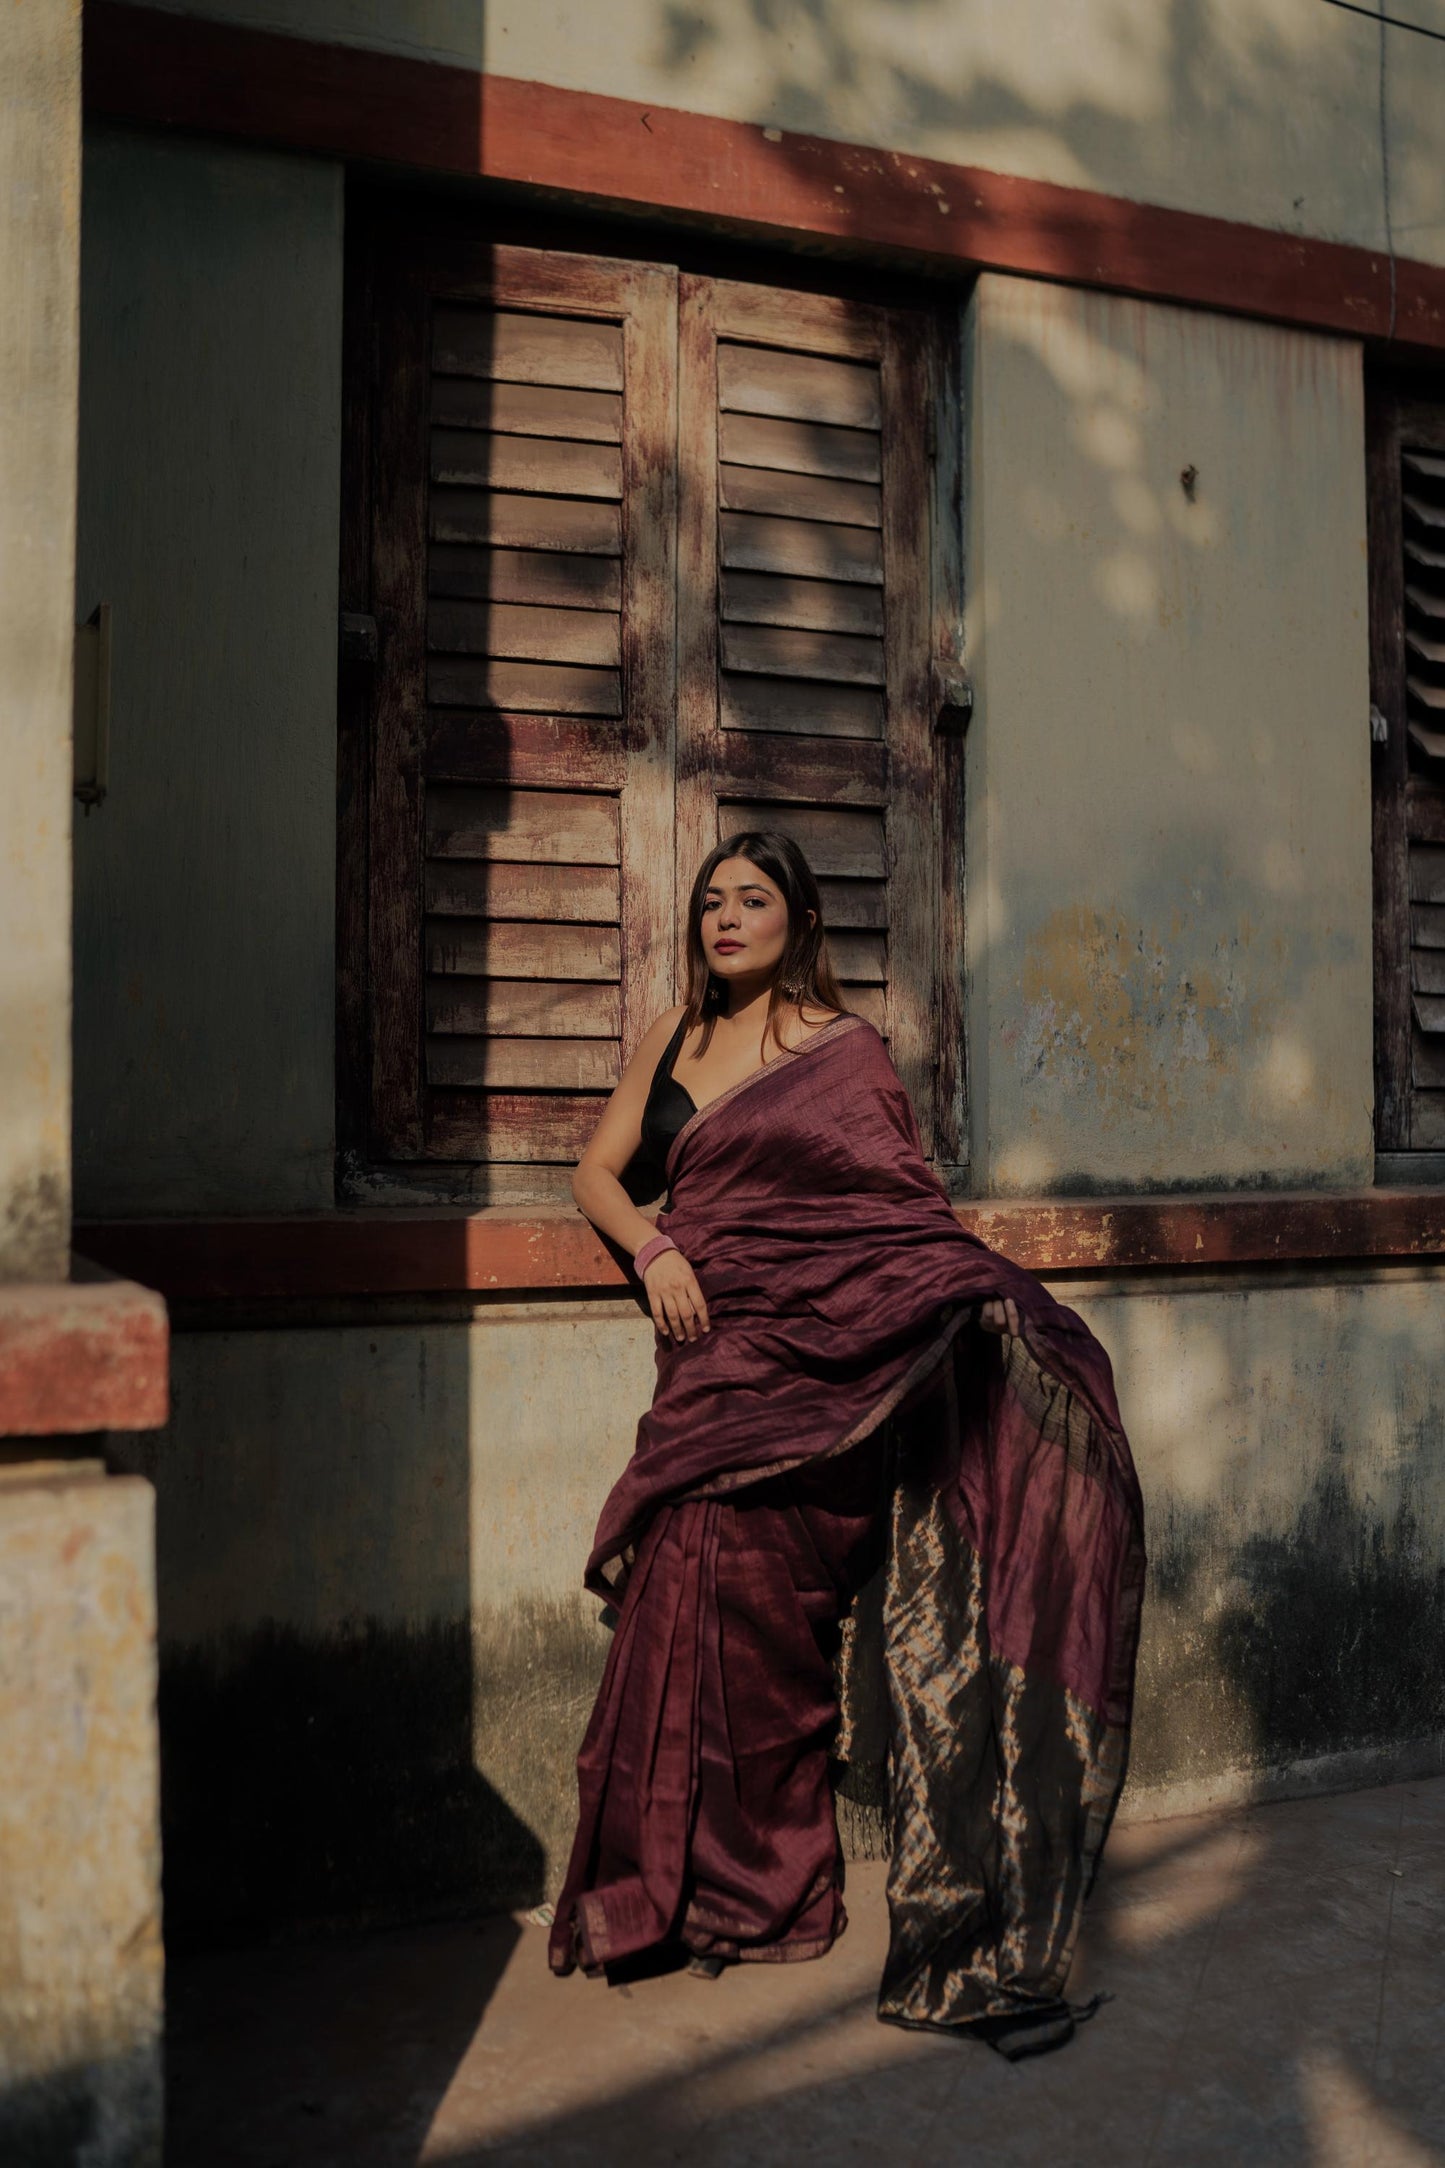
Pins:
<point x="1410" y="1170"/>
<point x="552" y="1250"/>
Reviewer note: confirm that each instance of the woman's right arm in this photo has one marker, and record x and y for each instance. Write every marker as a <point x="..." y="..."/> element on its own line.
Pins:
<point x="675" y="1299"/>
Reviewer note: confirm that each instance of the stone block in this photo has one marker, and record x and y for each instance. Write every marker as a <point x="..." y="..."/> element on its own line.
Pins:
<point x="80" y="1918"/>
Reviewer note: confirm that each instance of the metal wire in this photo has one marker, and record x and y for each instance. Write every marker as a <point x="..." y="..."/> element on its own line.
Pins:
<point x="1394" y="22"/>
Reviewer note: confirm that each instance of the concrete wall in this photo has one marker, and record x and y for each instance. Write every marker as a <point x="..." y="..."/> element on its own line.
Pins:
<point x="209" y="510"/>
<point x="377" y="1658"/>
<point x="1169" y="902"/>
<point x="1268" y="111"/>
<point x="80" y="1929"/>
<point x="377" y="1662"/>
<point x="39" y="261"/>
<point x="1168" y="853"/>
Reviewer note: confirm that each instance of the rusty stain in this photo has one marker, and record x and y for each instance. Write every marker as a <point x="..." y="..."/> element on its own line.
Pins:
<point x="1106" y="1007"/>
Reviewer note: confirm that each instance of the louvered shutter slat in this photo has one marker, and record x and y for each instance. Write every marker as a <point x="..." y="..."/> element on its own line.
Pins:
<point x="813" y="549"/>
<point x="526" y="632"/>
<point x="776" y="651"/>
<point x="532" y="464"/>
<point x="531" y="695"/>
<point x="541" y="577"/>
<point x="1422" y="496"/>
<point x="805" y="566"/>
<point x="755" y="598"/>
<point x="756" y="440"/>
<point x="535" y="410"/>
<point x="514" y="521"/>
<point x="799" y="496"/>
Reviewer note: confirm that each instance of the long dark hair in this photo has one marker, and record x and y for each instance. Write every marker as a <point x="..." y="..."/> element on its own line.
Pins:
<point x="804" y="974"/>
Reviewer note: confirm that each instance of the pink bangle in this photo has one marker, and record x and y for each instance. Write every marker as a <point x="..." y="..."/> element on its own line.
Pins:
<point x="653" y="1247"/>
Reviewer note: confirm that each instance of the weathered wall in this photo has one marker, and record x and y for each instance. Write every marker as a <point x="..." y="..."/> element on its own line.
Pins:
<point x="376" y="1664"/>
<point x="80" y="1929"/>
<point x="1290" y="1439"/>
<point x="1168" y="853"/>
<point x="39" y="262"/>
<point x="209" y="510"/>
<point x="1168" y="875"/>
<point x="1269" y="113"/>
<point x="377" y="1660"/>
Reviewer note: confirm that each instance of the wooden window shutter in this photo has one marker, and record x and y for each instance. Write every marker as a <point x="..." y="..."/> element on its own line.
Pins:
<point x="805" y="626"/>
<point x="521" y="901"/>
<point x="1407" y="611"/>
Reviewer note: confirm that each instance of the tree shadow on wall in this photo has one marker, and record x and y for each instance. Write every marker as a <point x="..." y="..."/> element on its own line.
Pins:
<point x="1325" y="1638"/>
<point x="1137" y="110"/>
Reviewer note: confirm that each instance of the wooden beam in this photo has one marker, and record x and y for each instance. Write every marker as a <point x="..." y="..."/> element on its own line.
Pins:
<point x="553" y="1250"/>
<point x="175" y="71"/>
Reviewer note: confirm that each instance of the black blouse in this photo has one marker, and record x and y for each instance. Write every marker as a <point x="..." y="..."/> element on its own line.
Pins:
<point x="669" y="1107"/>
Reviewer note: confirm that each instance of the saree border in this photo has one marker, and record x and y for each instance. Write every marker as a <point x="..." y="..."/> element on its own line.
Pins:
<point x="838" y="1028"/>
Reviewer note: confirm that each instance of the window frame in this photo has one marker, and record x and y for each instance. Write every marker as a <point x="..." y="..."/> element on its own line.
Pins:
<point x="366" y="1170"/>
<point x="1400" y="405"/>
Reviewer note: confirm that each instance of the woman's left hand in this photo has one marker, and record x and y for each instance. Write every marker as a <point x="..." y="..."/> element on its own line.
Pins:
<point x="1000" y="1316"/>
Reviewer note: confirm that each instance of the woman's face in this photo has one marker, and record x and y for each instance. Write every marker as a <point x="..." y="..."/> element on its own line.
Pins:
<point x="744" y="922"/>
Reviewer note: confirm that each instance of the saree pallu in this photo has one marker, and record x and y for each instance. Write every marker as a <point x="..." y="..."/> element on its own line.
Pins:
<point x="846" y="1438"/>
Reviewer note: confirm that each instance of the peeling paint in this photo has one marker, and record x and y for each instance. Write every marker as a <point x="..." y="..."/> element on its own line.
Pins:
<point x="1107" y="1007"/>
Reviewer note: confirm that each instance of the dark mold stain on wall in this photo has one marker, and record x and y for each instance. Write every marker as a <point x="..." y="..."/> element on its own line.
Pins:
<point x="1281" y="1647"/>
<point x="388" y="1774"/>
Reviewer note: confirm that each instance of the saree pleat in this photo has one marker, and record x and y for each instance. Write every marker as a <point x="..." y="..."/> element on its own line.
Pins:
<point x="857" y="1527"/>
<point x="706" y="1801"/>
<point x="1002" y="1781"/>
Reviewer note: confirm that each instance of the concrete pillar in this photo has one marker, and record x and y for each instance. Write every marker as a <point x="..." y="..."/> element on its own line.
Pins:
<point x="39" y="288"/>
<point x="80" y="1950"/>
<point x="80" y="1928"/>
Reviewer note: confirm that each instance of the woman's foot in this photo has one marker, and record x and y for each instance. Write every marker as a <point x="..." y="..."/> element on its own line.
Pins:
<point x="705" y="1968"/>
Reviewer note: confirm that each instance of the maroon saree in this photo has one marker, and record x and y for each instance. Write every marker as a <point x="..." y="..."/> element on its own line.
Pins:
<point x="846" y="1427"/>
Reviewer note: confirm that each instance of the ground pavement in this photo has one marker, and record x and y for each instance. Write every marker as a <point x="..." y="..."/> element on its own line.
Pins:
<point x="1278" y="1976"/>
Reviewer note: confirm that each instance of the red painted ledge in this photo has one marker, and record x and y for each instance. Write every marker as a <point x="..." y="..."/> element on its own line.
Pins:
<point x="553" y="1250"/>
<point x="350" y="102"/>
<point x="90" y="1354"/>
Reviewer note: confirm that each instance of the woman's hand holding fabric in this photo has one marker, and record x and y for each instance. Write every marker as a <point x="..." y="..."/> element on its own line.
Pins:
<point x="1000" y="1316"/>
<point x="676" y="1299"/>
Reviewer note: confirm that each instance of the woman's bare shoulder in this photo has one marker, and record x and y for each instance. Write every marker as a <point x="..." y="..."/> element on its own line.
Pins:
<point x="657" y="1034"/>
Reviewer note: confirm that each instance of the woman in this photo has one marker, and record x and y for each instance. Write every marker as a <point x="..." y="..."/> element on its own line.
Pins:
<point x="849" y="1386"/>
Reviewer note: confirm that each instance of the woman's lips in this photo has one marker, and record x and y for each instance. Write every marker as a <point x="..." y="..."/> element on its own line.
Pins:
<point x="726" y="948"/>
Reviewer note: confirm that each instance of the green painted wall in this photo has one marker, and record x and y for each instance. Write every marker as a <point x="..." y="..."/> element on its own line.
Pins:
<point x="209" y="483"/>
